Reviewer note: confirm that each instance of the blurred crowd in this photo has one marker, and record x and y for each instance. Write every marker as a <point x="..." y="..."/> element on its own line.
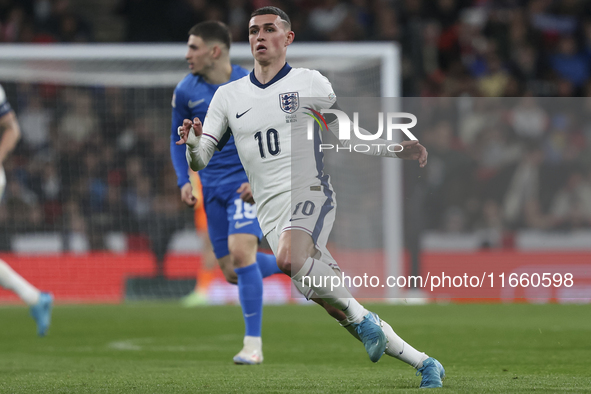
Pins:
<point x="497" y="165"/>
<point x="42" y="21"/>
<point x="492" y="167"/>
<point x="87" y="165"/>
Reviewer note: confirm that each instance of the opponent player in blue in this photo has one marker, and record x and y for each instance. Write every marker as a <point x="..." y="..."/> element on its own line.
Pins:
<point x="231" y="213"/>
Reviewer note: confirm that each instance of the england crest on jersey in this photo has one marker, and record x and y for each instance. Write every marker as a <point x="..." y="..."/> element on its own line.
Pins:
<point x="289" y="102"/>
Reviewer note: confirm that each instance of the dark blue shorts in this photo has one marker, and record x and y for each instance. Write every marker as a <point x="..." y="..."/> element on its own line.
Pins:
<point x="227" y="214"/>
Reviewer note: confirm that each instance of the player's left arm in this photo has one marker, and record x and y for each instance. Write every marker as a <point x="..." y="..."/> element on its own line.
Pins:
<point x="411" y="150"/>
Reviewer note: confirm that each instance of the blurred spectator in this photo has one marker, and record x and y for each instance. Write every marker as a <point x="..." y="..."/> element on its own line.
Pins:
<point x="146" y="20"/>
<point x="12" y="25"/>
<point x="35" y="121"/>
<point x="79" y="120"/>
<point x="327" y="18"/>
<point x="569" y="63"/>
<point x="571" y="207"/>
<point x="524" y="187"/>
<point x="528" y="119"/>
<point x="446" y="177"/>
<point x="495" y="79"/>
<point x="186" y="14"/>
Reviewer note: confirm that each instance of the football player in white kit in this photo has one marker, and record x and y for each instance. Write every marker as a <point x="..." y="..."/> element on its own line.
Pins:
<point x="296" y="205"/>
<point x="40" y="303"/>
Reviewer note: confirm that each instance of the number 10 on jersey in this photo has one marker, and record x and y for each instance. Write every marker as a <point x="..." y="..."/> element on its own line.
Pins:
<point x="272" y="142"/>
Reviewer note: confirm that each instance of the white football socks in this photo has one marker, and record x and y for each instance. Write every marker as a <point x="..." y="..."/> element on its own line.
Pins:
<point x="396" y="346"/>
<point x="10" y="280"/>
<point x="401" y="350"/>
<point x="252" y="343"/>
<point x="318" y="277"/>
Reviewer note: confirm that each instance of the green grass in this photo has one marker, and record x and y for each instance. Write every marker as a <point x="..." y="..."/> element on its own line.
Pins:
<point x="163" y="348"/>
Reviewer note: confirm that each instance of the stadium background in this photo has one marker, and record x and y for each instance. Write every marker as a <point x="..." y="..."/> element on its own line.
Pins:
<point x="474" y="202"/>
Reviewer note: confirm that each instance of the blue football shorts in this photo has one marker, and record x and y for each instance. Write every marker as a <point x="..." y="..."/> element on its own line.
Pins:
<point x="227" y="214"/>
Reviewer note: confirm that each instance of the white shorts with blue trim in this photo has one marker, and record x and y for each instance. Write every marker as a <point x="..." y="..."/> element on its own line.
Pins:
<point x="313" y="212"/>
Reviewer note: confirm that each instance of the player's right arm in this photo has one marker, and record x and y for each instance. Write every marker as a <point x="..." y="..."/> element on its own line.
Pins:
<point x="203" y="140"/>
<point x="11" y="133"/>
<point x="9" y="125"/>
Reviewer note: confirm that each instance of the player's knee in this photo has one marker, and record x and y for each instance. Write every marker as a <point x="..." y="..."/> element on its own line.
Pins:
<point x="242" y="258"/>
<point x="284" y="262"/>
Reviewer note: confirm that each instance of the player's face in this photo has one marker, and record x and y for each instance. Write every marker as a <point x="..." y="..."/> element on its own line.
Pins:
<point x="268" y="38"/>
<point x="199" y="55"/>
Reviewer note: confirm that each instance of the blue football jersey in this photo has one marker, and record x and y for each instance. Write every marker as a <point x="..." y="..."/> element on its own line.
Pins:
<point x="190" y="100"/>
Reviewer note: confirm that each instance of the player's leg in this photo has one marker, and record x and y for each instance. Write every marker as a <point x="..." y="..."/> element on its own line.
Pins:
<point x="267" y="264"/>
<point x="243" y="250"/>
<point x="39" y="302"/>
<point x="334" y="301"/>
<point x="396" y="346"/>
<point x="314" y="277"/>
<point x="302" y="252"/>
<point x="244" y="234"/>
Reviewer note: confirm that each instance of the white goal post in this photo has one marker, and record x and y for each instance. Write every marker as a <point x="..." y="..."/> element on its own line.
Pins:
<point x="162" y="66"/>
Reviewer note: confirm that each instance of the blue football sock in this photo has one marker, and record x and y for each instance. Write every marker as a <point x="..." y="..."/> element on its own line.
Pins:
<point x="250" y="291"/>
<point x="267" y="264"/>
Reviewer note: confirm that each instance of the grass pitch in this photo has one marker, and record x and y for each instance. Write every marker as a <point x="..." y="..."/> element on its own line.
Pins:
<point x="163" y="348"/>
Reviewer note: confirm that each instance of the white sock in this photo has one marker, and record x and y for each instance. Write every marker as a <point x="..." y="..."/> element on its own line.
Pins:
<point x="349" y="327"/>
<point x="13" y="281"/>
<point x="253" y="343"/>
<point x="320" y="279"/>
<point x="401" y="350"/>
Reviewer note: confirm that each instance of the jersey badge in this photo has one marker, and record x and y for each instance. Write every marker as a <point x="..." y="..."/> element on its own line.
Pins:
<point x="289" y="102"/>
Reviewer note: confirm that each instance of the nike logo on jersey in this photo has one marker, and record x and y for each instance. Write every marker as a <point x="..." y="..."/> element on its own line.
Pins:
<point x="238" y="116"/>
<point x="240" y="225"/>
<point x="293" y="220"/>
<point x="250" y="314"/>
<point x="193" y="104"/>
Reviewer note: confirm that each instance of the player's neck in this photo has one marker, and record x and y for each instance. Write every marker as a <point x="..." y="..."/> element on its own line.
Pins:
<point x="219" y="74"/>
<point x="266" y="72"/>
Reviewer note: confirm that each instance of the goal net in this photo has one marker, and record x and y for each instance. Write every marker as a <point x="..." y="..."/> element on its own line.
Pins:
<point x="91" y="210"/>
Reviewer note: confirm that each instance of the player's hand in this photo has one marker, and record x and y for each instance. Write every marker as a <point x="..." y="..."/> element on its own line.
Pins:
<point x="245" y="193"/>
<point x="187" y="195"/>
<point x="189" y="129"/>
<point x="413" y="151"/>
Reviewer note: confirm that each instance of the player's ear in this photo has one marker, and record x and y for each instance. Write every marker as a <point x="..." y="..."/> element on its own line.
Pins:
<point x="216" y="51"/>
<point x="290" y="37"/>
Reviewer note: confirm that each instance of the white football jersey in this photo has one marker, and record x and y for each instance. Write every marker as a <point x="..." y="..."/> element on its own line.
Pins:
<point x="269" y="124"/>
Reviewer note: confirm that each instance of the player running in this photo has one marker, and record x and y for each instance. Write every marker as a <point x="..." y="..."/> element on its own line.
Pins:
<point x="40" y="303"/>
<point x="233" y="227"/>
<point x="255" y="108"/>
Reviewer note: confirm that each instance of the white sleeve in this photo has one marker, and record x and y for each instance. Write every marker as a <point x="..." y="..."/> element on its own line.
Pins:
<point x="321" y="91"/>
<point x="200" y="149"/>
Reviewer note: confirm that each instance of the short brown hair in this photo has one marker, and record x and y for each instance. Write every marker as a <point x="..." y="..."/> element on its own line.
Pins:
<point x="270" y="10"/>
<point x="212" y="31"/>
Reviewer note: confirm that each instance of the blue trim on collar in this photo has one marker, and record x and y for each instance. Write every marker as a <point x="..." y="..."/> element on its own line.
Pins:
<point x="282" y="73"/>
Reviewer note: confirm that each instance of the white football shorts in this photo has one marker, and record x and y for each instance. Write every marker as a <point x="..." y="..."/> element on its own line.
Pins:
<point x="312" y="211"/>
